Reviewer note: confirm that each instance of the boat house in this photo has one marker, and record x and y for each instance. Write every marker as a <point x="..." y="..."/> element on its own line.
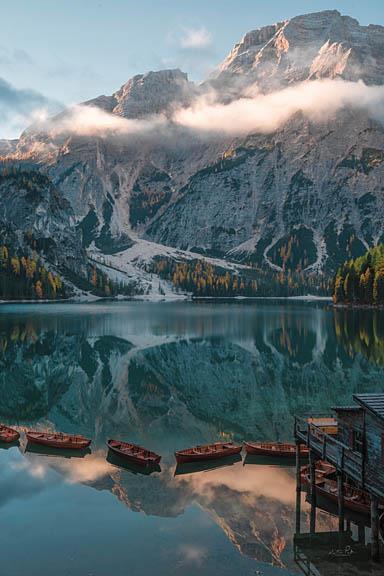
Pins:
<point x="355" y="448"/>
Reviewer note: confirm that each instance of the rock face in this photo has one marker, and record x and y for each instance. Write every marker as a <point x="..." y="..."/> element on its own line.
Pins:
<point x="307" y="196"/>
<point x="146" y="94"/>
<point x="31" y="206"/>
<point x="321" y="45"/>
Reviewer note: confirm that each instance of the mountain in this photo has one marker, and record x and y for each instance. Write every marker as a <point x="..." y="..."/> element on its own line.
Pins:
<point x="303" y="195"/>
<point x="321" y="45"/>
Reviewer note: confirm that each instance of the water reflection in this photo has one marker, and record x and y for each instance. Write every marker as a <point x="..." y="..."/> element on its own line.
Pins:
<point x="361" y="331"/>
<point x="169" y="376"/>
<point x="254" y="508"/>
<point x="183" y="373"/>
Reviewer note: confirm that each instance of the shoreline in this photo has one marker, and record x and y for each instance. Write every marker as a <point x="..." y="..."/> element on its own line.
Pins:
<point x="174" y="298"/>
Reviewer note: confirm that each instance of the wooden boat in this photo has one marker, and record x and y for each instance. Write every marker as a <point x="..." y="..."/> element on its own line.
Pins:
<point x="8" y="435"/>
<point x="323" y="470"/>
<point x="354" y="498"/>
<point x="277" y="449"/>
<point x="207" y="452"/>
<point x="133" y="453"/>
<point x="58" y="440"/>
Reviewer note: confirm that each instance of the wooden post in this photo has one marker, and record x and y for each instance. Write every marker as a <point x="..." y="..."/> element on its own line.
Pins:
<point x="340" y="499"/>
<point x="312" y="468"/>
<point x="298" y="488"/>
<point x="361" y="533"/>
<point x="375" y="528"/>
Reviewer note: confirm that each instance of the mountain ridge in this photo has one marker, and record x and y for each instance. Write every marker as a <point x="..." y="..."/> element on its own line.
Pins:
<point x="303" y="197"/>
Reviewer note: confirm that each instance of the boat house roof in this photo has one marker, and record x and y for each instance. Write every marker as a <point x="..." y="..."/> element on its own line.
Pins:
<point x="372" y="402"/>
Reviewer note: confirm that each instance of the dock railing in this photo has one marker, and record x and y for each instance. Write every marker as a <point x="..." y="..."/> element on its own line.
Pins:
<point x="328" y="448"/>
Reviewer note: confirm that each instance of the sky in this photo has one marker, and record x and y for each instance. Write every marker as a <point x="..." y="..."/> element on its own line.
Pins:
<point x="68" y="51"/>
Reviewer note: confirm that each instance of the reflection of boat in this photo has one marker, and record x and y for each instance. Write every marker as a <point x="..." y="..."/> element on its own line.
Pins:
<point x="207" y="452"/>
<point x="43" y="450"/>
<point x="58" y="440"/>
<point x="381" y="526"/>
<point x="120" y="462"/>
<point x="280" y="449"/>
<point x="205" y="466"/>
<point x="133" y="453"/>
<point x="354" y="498"/>
<point x="8" y="435"/>
<point x="254" y="459"/>
<point x="323" y="470"/>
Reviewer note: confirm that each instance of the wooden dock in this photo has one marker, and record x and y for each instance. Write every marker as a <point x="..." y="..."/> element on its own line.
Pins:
<point x="353" y="442"/>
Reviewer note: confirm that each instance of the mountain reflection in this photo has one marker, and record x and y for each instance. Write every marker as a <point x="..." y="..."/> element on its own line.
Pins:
<point x="175" y="375"/>
<point x="253" y="505"/>
<point x="170" y="376"/>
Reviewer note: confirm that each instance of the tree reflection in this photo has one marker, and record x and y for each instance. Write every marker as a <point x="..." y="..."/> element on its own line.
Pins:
<point x="361" y="331"/>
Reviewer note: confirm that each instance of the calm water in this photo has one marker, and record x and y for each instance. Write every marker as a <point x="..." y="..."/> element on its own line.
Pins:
<point x="167" y="376"/>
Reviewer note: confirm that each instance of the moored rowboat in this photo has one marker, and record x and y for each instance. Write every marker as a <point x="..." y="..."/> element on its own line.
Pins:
<point x="354" y="498"/>
<point x="207" y="452"/>
<point x="134" y="453"/>
<point x="58" y="440"/>
<point x="323" y="470"/>
<point x="277" y="449"/>
<point x="8" y="434"/>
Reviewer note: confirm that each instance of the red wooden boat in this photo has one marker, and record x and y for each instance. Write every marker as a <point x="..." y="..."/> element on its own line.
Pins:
<point x="133" y="453"/>
<point x="277" y="449"/>
<point x="8" y="434"/>
<point x="207" y="452"/>
<point x="354" y="498"/>
<point x="323" y="470"/>
<point x="58" y="440"/>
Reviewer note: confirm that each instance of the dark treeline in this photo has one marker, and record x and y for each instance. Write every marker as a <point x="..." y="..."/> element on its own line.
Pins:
<point x="361" y="281"/>
<point x="204" y="279"/>
<point x="26" y="277"/>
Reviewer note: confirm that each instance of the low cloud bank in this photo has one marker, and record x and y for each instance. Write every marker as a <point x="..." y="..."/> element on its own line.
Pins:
<point x="264" y="113"/>
<point x="254" y="112"/>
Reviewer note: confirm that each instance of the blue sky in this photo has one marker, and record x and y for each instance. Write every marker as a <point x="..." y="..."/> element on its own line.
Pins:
<point x="72" y="50"/>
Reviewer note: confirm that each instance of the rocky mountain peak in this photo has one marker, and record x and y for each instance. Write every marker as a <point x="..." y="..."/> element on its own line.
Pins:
<point x="319" y="45"/>
<point x="153" y="93"/>
<point x="145" y="94"/>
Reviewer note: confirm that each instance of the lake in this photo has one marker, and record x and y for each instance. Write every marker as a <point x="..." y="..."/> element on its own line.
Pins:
<point x="167" y="376"/>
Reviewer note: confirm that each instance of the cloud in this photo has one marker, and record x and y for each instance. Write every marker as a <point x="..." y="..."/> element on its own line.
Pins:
<point x="16" y="57"/>
<point x="85" y="120"/>
<point x="196" y="38"/>
<point x="263" y="113"/>
<point x="254" y="112"/>
<point x="20" y="107"/>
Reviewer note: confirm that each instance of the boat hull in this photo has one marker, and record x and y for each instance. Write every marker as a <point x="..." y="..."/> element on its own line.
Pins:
<point x="8" y="435"/>
<point x="57" y="442"/>
<point x="354" y="505"/>
<point x="276" y="450"/>
<point x="154" y="460"/>
<point x="324" y="470"/>
<point x="183" y="457"/>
